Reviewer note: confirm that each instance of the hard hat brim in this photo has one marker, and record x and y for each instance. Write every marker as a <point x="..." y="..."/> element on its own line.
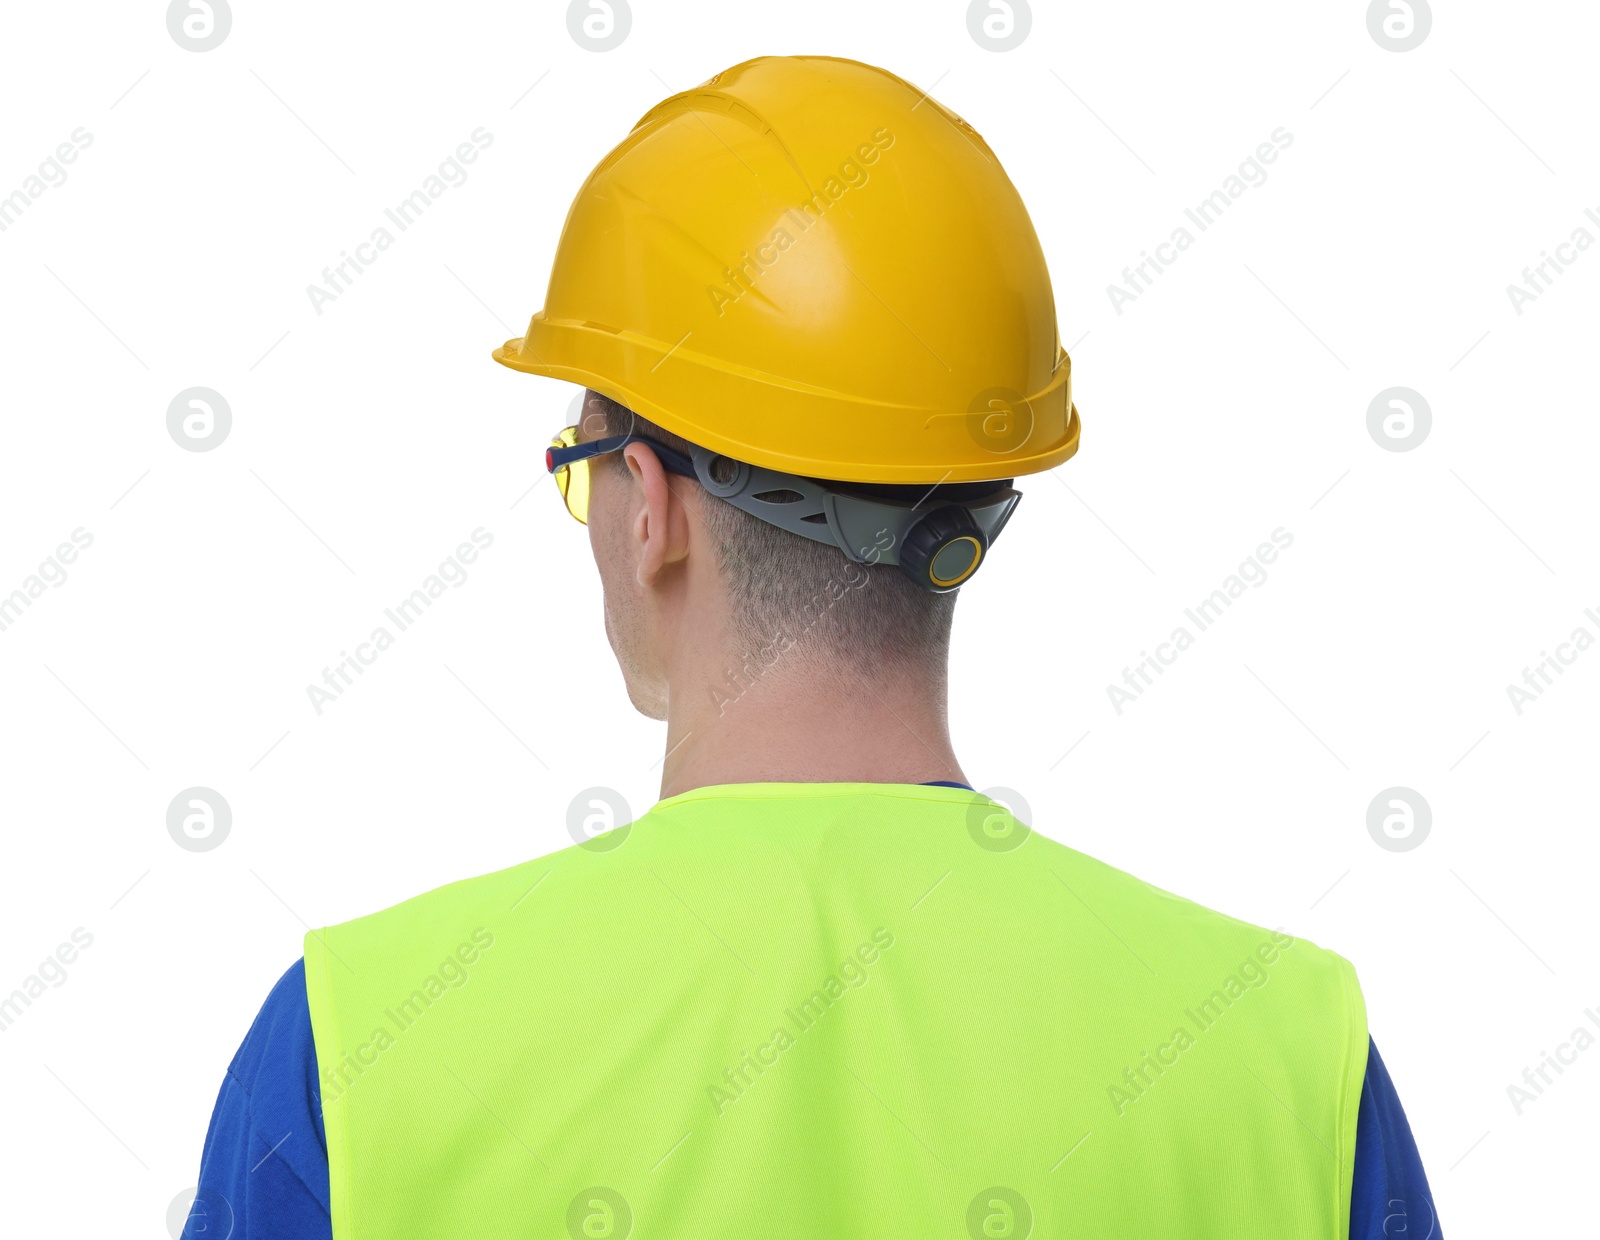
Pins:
<point x="589" y="355"/>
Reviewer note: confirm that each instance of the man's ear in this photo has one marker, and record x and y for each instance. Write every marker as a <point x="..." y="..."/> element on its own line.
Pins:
<point x="660" y="524"/>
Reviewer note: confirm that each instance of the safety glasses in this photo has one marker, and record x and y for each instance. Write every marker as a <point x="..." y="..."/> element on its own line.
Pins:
<point x="568" y="460"/>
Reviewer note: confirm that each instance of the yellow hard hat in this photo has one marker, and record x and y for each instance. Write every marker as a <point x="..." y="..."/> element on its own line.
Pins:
<point x="809" y="265"/>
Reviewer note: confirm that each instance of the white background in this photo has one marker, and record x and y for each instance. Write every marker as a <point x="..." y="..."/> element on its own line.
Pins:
<point x="368" y="441"/>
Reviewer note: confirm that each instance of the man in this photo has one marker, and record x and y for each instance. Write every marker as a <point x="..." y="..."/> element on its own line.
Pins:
<point x="822" y="988"/>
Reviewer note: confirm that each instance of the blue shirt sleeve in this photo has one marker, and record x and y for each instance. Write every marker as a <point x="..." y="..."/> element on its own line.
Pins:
<point x="1389" y="1191"/>
<point x="265" y="1165"/>
<point x="266" y="1155"/>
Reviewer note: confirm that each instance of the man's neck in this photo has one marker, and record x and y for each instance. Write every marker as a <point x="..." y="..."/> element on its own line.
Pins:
<point x="796" y="722"/>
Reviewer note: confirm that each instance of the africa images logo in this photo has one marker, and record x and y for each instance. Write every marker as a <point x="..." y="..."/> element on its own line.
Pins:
<point x="1148" y="1069"/>
<point x="452" y="973"/>
<point x="850" y="975"/>
<point x="851" y="175"/>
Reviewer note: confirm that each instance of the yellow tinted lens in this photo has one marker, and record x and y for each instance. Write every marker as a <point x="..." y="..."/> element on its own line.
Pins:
<point x="573" y="480"/>
<point x="576" y="490"/>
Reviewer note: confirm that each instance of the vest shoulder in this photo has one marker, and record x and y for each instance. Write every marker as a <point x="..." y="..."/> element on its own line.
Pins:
<point x="1178" y="918"/>
<point x="467" y="907"/>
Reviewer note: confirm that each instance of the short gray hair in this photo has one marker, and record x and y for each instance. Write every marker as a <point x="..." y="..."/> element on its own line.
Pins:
<point x="791" y="590"/>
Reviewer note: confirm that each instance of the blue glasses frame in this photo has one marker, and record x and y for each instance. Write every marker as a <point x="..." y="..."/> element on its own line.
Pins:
<point x="559" y="458"/>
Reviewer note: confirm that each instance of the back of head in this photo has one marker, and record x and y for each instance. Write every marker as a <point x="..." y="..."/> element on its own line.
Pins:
<point x="791" y="594"/>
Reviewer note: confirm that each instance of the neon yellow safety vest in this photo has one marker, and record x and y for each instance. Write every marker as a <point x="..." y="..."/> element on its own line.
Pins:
<point x="830" y="1011"/>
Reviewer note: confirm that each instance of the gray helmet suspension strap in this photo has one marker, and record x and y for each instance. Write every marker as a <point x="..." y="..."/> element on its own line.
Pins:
<point x="867" y="530"/>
